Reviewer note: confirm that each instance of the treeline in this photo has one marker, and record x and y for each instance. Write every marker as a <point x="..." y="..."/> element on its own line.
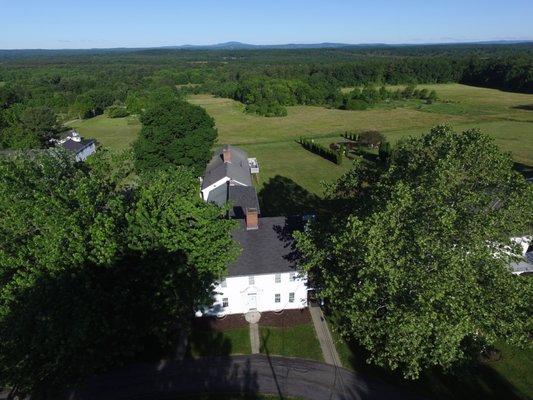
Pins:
<point x="268" y="96"/>
<point x="363" y="98"/>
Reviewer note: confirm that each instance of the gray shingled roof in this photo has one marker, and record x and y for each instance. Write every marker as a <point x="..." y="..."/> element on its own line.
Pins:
<point x="72" y="145"/>
<point x="237" y="170"/>
<point x="526" y="265"/>
<point x="241" y="198"/>
<point x="218" y="195"/>
<point x="267" y="250"/>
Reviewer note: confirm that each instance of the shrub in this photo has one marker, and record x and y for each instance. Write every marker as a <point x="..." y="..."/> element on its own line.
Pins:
<point x="370" y="138"/>
<point x="116" y="111"/>
<point x="320" y="150"/>
<point x="351" y="136"/>
<point x="356" y="104"/>
<point x="385" y="151"/>
<point x="266" y="109"/>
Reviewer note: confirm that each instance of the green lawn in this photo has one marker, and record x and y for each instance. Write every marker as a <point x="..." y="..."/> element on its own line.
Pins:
<point x="508" y="378"/>
<point x="500" y="114"/>
<point x="506" y="116"/>
<point x="297" y="341"/>
<point x="113" y="133"/>
<point x="219" y="343"/>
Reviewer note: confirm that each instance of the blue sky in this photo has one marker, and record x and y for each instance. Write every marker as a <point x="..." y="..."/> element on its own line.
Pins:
<point x="133" y="23"/>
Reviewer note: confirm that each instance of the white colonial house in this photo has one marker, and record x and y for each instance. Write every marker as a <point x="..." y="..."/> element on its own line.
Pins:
<point x="265" y="275"/>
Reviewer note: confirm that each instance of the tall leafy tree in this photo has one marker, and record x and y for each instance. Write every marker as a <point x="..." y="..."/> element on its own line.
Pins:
<point x="415" y="260"/>
<point x="174" y="132"/>
<point x="94" y="274"/>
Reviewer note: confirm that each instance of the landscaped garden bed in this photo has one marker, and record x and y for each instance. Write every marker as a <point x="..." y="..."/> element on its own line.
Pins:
<point x="221" y="324"/>
<point x="286" y="318"/>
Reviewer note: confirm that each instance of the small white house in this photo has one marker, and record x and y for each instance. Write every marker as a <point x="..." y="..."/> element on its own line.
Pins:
<point x="73" y="143"/>
<point x="265" y="276"/>
<point x="525" y="266"/>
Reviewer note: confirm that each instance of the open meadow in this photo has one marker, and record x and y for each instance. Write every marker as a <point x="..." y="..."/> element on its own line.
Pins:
<point x="508" y="117"/>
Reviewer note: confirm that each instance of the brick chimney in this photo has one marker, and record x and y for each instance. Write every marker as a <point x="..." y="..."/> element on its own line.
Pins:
<point x="252" y="219"/>
<point x="226" y="154"/>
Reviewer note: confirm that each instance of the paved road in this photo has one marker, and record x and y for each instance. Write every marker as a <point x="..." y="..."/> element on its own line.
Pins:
<point x="239" y="374"/>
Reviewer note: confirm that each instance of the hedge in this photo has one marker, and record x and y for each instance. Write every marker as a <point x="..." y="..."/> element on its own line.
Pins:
<point x="320" y="150"/>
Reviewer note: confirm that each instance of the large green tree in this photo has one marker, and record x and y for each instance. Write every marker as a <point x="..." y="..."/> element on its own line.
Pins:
<point x="174" y="132"/>
<point x="415" y="259"/>
<point x="28" y="127"/>
<point x="94" y="274"/>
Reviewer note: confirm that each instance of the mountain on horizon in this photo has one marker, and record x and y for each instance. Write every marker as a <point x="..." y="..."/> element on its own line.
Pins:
<point x="235" y="45"/>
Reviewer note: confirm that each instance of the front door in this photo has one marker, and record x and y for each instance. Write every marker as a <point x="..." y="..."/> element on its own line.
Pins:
<point x="252" y="301"/>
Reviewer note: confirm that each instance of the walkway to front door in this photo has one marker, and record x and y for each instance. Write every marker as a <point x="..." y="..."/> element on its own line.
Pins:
<point x="253" y="318"/>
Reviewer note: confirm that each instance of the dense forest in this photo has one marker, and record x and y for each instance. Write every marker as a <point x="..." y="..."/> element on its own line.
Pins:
<point x="63" y="85"/>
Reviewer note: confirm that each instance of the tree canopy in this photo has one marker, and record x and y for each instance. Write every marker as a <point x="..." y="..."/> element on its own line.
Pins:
<point x="95" y="274"/>
<point x="174" y="132"/>
<point x="415" y="260"/>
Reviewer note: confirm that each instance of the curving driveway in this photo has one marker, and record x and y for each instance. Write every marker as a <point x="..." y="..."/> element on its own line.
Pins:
<point x="238" y="374"/>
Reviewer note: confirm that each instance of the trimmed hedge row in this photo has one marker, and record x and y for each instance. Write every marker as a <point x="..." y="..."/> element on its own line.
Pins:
<point x="320" y="150"/>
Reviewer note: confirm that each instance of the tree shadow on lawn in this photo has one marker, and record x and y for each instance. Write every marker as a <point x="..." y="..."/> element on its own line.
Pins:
<point x="475" y="381"/>
<point x="524" y="169"/>
<point x="213" y="373"/>
<point x="527" y="107"/>
<point x="281" y="196"/>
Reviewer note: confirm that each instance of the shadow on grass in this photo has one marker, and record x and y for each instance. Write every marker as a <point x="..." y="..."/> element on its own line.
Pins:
<point x="477" y="381"/>
<point x="204" y="342"/>
<point x="206" y="372"/>
<point x="526" y="170"/>
<point x="281" y="196"/>
<point x="527" y="107"/>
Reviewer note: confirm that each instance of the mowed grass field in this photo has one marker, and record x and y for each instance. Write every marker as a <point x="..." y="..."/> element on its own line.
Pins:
<point x="503" y="115"/>
<point x="113" y="133"/>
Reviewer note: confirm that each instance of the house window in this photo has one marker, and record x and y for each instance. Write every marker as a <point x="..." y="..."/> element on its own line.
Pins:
<point x="277" y="298"/>
<point x="277" y="278"/>
<point x="291" y="297"/>
<point x="225" y="302"/>
<point x="251" y="280"/>
<point x="292" y="276"/>
<point x="223" y="283"/>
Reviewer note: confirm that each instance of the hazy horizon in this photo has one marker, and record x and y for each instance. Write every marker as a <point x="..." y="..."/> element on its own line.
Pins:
<point x="65" y="25"/>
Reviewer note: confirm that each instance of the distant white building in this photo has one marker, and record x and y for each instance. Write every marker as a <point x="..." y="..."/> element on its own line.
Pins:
<point x="265" y="276"/>
<point x="73" y="143"/>
<point x="525" y="266"/>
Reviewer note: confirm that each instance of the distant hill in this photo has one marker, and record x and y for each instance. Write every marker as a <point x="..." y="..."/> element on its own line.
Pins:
<point x="229" y="46"/>
<point x="248" y="46"/>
